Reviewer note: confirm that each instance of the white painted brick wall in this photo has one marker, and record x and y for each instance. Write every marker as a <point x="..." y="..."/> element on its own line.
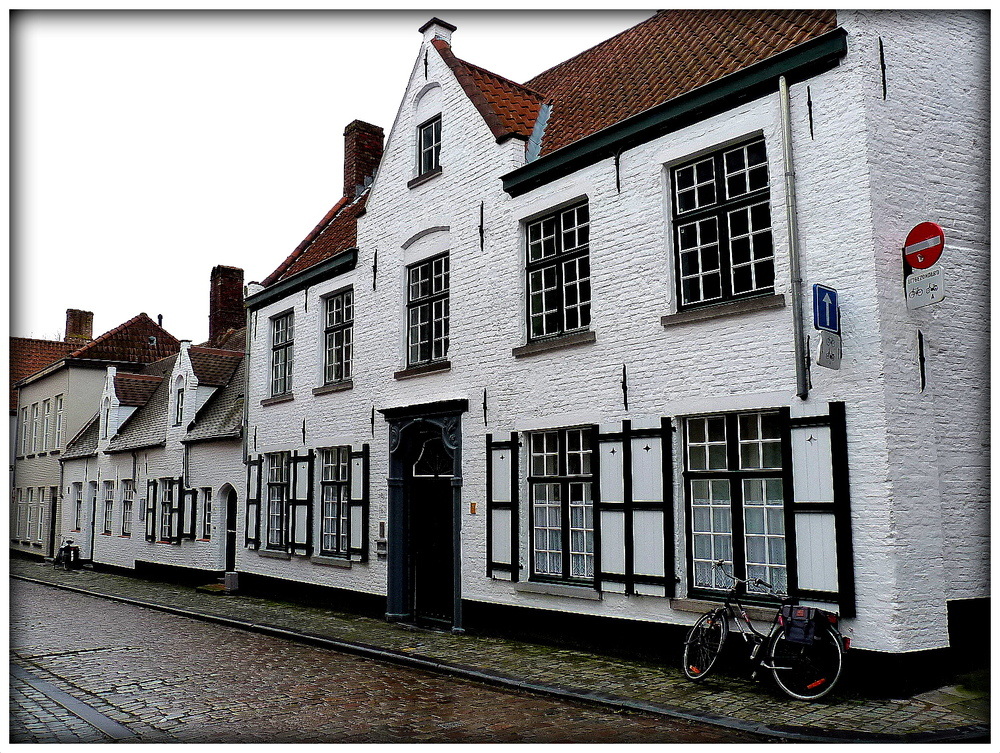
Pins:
<point x="855" y="203"/>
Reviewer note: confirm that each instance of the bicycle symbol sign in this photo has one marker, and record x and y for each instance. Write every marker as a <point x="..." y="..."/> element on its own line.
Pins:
<point x="924" y="288"/>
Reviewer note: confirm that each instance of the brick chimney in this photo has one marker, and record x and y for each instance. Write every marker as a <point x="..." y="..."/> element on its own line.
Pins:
<point x="79" y="326"/>
<point x="362" y="153"/>
<point x="225" y="303"/>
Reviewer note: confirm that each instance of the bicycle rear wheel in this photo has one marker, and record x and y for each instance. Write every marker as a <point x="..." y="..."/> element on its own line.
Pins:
<point x="806" y="672"/>
<point x="704" y="643"/>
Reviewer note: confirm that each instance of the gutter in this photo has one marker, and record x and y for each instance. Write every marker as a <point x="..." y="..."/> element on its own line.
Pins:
<point x="336" y="265"/>
<point x="803" y="61"/>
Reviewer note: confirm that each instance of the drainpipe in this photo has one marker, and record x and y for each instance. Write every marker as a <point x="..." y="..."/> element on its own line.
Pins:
<point x="801" y="355"/>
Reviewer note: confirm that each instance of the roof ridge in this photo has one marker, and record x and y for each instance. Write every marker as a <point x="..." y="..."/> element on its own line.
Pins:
<point x="216" y="351"/>
<point x="41" y="340"/>
<point x="120" y="328"/>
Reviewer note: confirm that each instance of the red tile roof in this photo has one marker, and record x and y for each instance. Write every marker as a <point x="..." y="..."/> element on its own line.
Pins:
<point x="212" y="366"/>
<point x="337" y="232"/>
<point x="509" y="109"/>
<point x="135" y="389"/>
<point x="139" y="340"/>
<point x="28" y="356"/>
<point x="672" y="53"/>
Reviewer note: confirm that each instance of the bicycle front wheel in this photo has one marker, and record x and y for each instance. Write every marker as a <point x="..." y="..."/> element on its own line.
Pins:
<point x="807" y="672"/>
<point x="704" y="644"/>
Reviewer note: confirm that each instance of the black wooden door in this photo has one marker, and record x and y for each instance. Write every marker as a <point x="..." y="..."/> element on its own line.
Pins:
<point x="432" y="550"/>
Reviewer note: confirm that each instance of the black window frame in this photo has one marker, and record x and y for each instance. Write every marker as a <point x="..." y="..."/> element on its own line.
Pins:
<point x="431" y="148"/>
<point x="434" y="347"/>
<point x="734" y="475"/>
<point x="278" y="491"/>
<point x="284" y="348"/>
<point x="339" y="488"/>
<point x="342" y="354"/>
<point x="564" y="479"/>
<point x="179" y="402"/>
<point x="720" y="210"/>
<point x="206" y="519"/>
<point x="557" y="261"/>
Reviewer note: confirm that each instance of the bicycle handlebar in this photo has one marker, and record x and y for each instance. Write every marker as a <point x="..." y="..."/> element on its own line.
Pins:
<point x="752" y="581"/>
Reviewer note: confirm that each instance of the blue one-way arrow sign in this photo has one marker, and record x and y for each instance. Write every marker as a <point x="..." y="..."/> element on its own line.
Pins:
<point x="826" y="314"/>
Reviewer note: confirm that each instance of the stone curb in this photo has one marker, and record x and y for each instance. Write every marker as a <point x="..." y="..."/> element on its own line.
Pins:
<point x="970" y="733"/>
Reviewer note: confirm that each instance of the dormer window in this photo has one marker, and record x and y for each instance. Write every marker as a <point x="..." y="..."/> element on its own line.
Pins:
<point x="429" y="146"/>
<point x="179" y="402"/>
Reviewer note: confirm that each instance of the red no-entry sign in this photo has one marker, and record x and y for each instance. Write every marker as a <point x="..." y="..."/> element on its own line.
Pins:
<point x="924" y="245"/>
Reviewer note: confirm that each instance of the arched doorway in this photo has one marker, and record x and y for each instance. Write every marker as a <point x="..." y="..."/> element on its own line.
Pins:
<point x="228" y="497"/>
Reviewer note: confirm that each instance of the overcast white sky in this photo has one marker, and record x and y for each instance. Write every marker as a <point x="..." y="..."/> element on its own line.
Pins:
<point x="150" y="146"/>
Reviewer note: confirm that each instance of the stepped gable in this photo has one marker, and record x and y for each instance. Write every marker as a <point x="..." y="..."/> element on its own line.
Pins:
<point x="212" y="366"/>
<point x="670" y="54"/>
<point x="28" y="356"/>
<point x="139" y="340"/>
<point x="337" y="232"/>
<point x="84" y="444"/>
<point x="509" y="109"/>
<point x="135" y="389"/>
<point x="221" y="417"/>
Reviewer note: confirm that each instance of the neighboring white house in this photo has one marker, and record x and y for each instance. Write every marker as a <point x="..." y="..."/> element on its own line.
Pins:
<point x="54" y="404"/>
<point x="152" y="480"/>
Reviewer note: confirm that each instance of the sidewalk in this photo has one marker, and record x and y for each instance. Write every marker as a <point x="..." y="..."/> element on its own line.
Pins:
<point x="947" y="714"/>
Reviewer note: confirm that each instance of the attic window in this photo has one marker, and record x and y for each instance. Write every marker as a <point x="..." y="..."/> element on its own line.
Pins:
<point x="429" y="146"/>
<point x="179" y="402"/>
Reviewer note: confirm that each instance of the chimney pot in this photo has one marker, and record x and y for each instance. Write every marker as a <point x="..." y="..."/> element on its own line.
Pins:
<point x="363" y="144"/>
<point x="436" y="28"/>
<point x="79" y="326"/>
<point x="225" y="308"/>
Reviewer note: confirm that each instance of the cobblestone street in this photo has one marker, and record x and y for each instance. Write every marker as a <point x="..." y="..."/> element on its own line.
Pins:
<point x="89" y="670"/>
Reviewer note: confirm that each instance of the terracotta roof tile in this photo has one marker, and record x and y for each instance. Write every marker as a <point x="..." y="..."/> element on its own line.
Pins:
<point x="212" y="366"/>
<point x="509" y="109"/>
<point x="672" y="53"/>
<point x="337" y="232"/>
<point x="28" y="356"/>
<point x="135" y="389"/>
<point x="130" y="342"/>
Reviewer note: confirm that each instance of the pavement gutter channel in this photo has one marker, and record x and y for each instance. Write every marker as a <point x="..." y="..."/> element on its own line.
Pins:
<point x="969" y="733"/>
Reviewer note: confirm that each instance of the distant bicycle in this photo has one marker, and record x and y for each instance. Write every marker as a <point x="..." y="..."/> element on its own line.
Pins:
<point x="804" y="649"/>
<point x="67" y="557"/>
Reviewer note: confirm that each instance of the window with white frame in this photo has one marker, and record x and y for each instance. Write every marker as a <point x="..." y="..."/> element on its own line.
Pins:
<point x="277" y="496"/>
<point x="36" y="429"/>
<point x="109" y="506"/>
<point x="179" y="401"/>
<point x="558" y="272"/>
<point x="428" y="290"/>
<point x="46" y="424"/>
<point x="206" y="517"/>
<point x="166" y="509"/>
<point x="128" y="502"/>
<point x="25" y="432"/>
<point x="429" y="146"/>
<point x="335" y="498"/>
<point x="282" y="338"/>
<point x="734" y="473"/>
<point x="77" y="505"/>
<point x="339" y="337"/>
<point x="723" y="247"/>
<point x="57" y="441"/>
<point x="32" y="516"/>
<point x="562" y="508"/>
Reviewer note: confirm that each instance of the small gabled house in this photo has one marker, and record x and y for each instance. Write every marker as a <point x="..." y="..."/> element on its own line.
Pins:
<point x="154" y="474"/>
<point x="562" y="360"/>
<point x="55" y="403"/>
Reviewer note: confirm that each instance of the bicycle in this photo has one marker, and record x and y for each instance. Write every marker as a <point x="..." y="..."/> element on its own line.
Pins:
<point x="805" y="650"/>
<point x="67" y="556"/>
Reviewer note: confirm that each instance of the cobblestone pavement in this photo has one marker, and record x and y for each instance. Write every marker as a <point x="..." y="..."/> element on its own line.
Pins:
<point x="727" y="700"/>
<point x="159" y="677"/>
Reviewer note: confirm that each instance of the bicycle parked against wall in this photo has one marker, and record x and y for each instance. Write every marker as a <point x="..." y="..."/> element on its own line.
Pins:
<point x="804" y="649"/>
<point x="67" y="556"/>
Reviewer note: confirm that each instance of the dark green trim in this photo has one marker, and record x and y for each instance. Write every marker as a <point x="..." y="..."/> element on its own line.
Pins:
<point x="796" y="64"/>
<point x="342" y="262"/>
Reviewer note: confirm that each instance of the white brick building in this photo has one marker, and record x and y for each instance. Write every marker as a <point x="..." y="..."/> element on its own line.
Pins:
<point x="557" y="356"/>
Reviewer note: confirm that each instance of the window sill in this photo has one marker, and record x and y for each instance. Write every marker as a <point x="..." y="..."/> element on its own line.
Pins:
<point x="562" y="341"/>
<point x="347" y="384"/>
<point x="427" y="368"/>
<point x="719" y="310"/>
<point x="202" y="539"/>
<point x="555" y="589"/>
<point x="270" y="554"/>
<point x="105" y="533"/>
<point x="54" y="452"/>
<point x="331" y="561"/>
<point x="421" y="179"/>
<point x="42" y="454"/>
<point x="277" y="399"/>
<point x="125" y="536"/>
<point x="760" y="614"/>
<point x="28" y="457"/>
